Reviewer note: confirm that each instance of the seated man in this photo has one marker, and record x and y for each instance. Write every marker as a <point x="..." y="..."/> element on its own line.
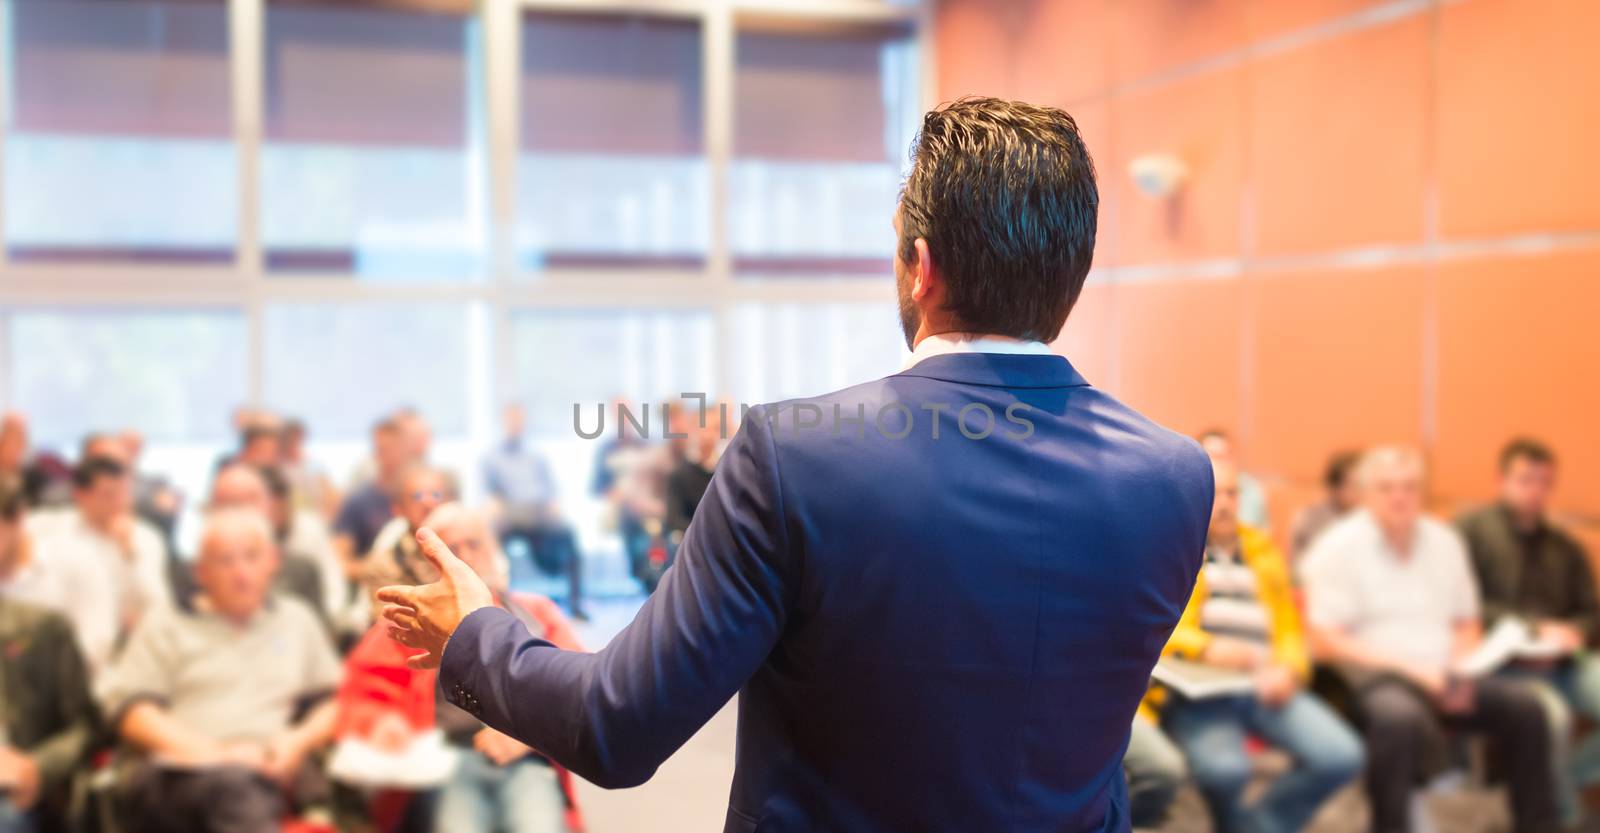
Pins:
<point x="1391" y="600"/>
<point x="45" y="713"/>
<point x="245" y="486"/>
<point x="101" y="533"/>
<point x="1242" y="616"/>
<point x="1530" y="569"/>
<point x="209" y="695"/>
<point x="526" y="498"/>
<point x="395" y="558"/>
<point x="500" y="783"/>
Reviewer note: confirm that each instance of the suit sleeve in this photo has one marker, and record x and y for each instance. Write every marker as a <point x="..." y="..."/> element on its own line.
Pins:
<point x="614" y="716"/>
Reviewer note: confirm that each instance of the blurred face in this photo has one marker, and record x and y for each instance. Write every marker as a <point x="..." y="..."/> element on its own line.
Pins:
<point x="1217" y="447"/>
<point x="262" y="450"/>
<point x="1225" y="509"/>
<point x="416" y="437"/>
<point x="236" y="565"/>
<point x="1393" y="491"/>
<point x="1526" y="485"/>
<point x="420" y="494"/>
<point x="1348" y="495"/>
<point x="133" y="445"/>
<point x="515" y="420"/>
<point x="238" y="487"/>
<point x="469" y="537"/>
<point x="104" y="499"/>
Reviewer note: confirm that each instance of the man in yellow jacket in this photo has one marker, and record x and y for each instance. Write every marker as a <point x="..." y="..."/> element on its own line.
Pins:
<point x="1243" y="616"/>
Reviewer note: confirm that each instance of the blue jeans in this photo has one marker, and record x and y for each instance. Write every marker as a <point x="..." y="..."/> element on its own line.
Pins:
<point x="1212" y="733"/>
<point x="1569" y="689"/>
<point x="521" y="798"/>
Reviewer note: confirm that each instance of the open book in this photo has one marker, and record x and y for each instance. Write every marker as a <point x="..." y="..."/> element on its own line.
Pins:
<point x="1197" y="681"/>
<point x="428" y="762"/>
<point x="1510" y="639"/>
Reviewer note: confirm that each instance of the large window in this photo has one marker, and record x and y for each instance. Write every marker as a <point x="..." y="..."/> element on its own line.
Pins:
<point x="341" y="366"/>
<point x="369" y="168"/>
<point x="611" y="172"/>
<point x="172" y="374"/>
<point x="589" y="358"/>
<point x="120" y="138"/>
<point x="782" y="351"/>
<point x="823" y="120"/>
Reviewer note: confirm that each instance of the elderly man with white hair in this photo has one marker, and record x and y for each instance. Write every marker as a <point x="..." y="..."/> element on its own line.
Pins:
<point x="1391" y="600"/>
<point x="223" y="699"/>
<point x="500" y="784"/>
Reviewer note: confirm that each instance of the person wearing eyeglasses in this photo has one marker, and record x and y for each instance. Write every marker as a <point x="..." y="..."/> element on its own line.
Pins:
<point x="394" y="552"/>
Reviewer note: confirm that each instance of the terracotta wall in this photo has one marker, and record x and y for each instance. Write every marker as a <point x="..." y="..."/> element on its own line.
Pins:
<point x="1390" y="230"/>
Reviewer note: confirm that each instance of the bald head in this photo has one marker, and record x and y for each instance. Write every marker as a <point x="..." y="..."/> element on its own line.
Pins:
<point x="468" y="534"/>
<point x="237" y="561"/>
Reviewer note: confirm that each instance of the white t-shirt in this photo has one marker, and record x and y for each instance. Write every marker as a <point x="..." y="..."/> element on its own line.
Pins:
<point x="103" y="590"/>
<point x="1408" y="605"/>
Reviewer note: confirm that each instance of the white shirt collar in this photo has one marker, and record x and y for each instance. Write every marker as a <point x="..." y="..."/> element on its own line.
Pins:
<point x="946" y="343"/>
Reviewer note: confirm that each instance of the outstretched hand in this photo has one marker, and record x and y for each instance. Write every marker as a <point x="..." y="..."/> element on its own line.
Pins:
<point x="424" y="616"/>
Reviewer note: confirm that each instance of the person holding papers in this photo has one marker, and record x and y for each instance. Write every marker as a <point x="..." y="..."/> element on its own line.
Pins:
<point x="1534" y="574"/>
<point x="1242" y="616"/>
<point x="1391" y="601"/>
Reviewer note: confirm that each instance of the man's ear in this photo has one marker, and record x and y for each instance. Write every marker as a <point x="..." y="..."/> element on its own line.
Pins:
<point x="924" y="276"/>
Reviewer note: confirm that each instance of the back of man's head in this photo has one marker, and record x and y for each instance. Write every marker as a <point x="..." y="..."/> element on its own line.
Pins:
<point x="1004" y="193"/>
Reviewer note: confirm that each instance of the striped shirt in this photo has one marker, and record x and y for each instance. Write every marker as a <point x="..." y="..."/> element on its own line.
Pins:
<point x="1233" y="606"/>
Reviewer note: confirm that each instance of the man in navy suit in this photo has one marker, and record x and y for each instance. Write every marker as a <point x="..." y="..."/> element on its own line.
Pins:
<point x="939" y="594"/>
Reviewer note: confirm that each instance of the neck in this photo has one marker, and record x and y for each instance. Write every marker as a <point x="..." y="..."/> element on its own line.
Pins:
<point x="1524" y="521"/>
<point x="1400" y="538"/>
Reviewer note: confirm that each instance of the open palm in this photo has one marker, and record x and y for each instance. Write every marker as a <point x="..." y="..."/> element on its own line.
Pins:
<point x="424" y="616"/>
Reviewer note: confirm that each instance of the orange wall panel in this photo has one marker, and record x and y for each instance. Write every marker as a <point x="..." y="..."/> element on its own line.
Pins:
<point x="1519" y="117"/>
<point x="1150" y="36"/>
<point x="1336" y="363"/>
<point x="1086" y="340"/>
<point x="1062" y="50"/>
<point x="1337" y="141"/>
<point x="1270" y="18"/>
<point x="1197" y="119"/>
<point x="973" y="49"/>
<point x="1178" y="351"/>
<point x="1519" y="353"/>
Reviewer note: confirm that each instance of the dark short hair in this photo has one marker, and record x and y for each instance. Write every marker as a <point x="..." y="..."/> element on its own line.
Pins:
<point x="94" y="468"/>
<point x="1004" y="192"/>
<point x="1339" y="468"/>
<point x="256" y="432"/>
<point x="1525" y="448"/>
<point x="276" y="481"/>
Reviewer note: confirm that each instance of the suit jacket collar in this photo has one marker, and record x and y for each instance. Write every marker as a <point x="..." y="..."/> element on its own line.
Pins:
<point x="1001" y="370"/>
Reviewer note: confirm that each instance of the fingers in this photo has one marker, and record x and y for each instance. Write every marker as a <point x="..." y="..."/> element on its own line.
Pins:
<point x="400" y="595"/>
<point x="439" y="554"/>
<point x="402" y="617"/>
<point x="423" y="662"/>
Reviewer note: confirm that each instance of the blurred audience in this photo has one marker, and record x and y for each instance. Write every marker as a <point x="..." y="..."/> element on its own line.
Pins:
<point x="1530" y="570"/>
<point x="1392" y="602"/>
<point x="240" y="485"/>
<point x="100" y="536"/>
<point x="395" y="557"/>
<point x="528" y="509"/>
<point x="499" y="783"/>
<point x="302" y="536"/>
<point x="46" y="716"/>
<point x="223" y="701"/>
<point x="1252" y="499"/>
<point x="630" y="474"/>
<point x="701" y="432"/>
<point x="1242" y="616"/>
<point x="1340" y="496"/>
<point x="370" y="505"/>
<point x="309" y="483"/>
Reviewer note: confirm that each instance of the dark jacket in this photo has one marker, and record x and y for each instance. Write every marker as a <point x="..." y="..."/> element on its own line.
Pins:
<point x="1546" y="576"/>
<point x="929" y="633"/>
<point x="44" y="695"/>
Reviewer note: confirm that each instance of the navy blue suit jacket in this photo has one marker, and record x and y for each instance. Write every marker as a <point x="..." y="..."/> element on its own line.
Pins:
<point x="927" y="633"/>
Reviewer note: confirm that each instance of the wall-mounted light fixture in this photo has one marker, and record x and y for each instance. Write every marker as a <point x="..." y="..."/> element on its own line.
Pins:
<point x="1158" y="175"/>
